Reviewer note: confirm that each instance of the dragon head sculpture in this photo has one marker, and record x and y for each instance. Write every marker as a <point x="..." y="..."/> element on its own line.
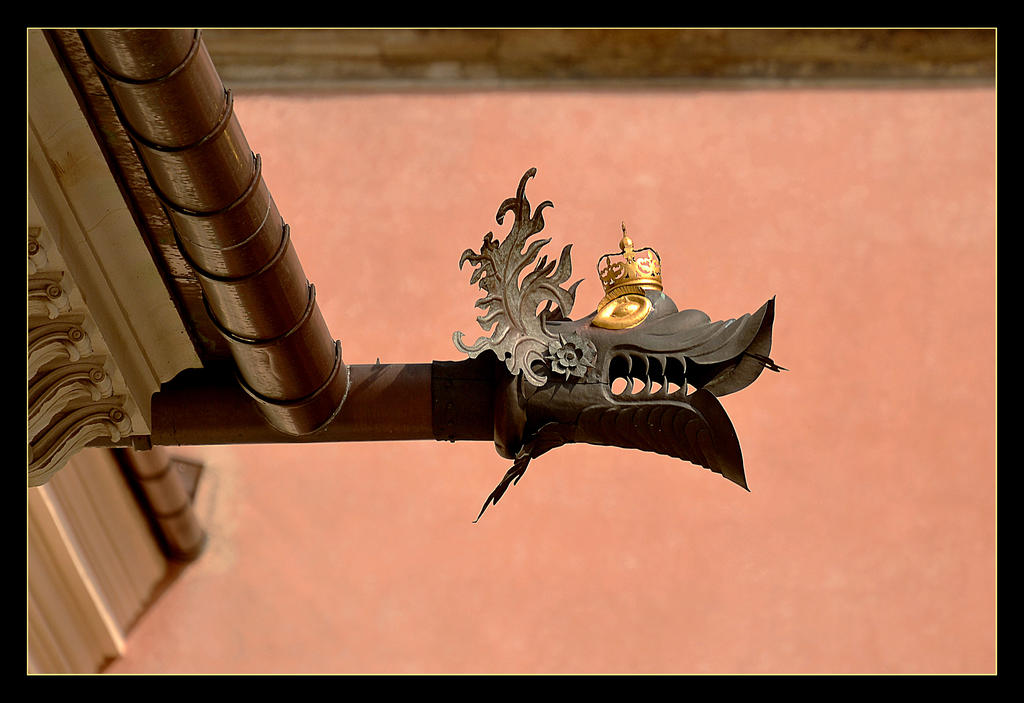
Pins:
<point x="636" y="373"/>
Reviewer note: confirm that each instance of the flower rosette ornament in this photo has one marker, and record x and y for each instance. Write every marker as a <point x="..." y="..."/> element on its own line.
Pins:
<point x="572" y="355"/>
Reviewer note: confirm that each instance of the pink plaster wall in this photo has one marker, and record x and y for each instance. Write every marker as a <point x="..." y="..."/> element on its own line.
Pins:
<point x="867" y="542"/>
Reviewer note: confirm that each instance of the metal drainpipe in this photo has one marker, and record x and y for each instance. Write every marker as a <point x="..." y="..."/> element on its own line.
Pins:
<point x="165" y="499"/>
<point x="180" y="118"/>
<point x="446" y="401"/>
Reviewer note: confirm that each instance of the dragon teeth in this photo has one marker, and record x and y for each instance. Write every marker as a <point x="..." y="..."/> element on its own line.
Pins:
<point x="649" y="369"/>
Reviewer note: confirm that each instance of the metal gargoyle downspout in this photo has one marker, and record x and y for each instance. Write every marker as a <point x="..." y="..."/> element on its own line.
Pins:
<point x="561" y="373"/>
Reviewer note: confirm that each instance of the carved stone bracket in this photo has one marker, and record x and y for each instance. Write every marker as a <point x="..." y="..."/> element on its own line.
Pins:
<point x="75" y="393"/>
<point x="66" y="387"/>
<point x="49" y="450"/>
<point x="57" y="342"/>
<point x="46" y="296"/>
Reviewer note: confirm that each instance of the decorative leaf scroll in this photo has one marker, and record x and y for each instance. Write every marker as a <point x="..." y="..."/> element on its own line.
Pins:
<point x="519" y="335"/>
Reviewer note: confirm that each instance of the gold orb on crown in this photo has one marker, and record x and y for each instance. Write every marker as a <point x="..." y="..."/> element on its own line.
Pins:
<point x="625" y="276"/>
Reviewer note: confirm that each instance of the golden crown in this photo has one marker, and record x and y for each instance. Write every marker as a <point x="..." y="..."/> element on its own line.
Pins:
<point x="640" y="268"/>
<point x="625" y="276"/>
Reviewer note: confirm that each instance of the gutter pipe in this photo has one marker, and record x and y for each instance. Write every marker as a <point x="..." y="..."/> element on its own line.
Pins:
<point x="181" y="120"/>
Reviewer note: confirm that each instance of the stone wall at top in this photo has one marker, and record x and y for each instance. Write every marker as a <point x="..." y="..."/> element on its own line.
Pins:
<point x="494" y="58"/>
